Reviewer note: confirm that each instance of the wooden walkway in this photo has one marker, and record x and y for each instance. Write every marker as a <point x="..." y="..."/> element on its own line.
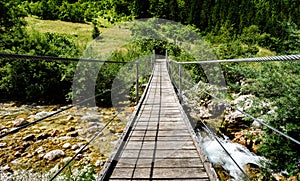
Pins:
<point x="160" y="143"/>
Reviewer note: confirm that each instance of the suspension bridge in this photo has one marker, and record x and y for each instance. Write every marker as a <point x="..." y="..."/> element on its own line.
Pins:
<point x="159" y="142"/>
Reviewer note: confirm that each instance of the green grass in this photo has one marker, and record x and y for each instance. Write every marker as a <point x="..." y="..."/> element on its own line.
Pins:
<point x="263" y="52"/>
<point x="80" y="33"/>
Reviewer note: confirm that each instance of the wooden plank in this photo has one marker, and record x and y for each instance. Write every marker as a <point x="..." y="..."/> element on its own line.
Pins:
<point x="162" y="163"/>
<point x="161" y="133"/>
<point x="159" y="138"/>
<point x="160" y="153"/>
<point x="160" y="145"/>
<point x="159" y="173"/>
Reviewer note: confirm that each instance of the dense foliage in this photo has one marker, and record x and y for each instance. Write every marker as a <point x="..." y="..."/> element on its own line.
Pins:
<point x="275" y="87"/>
<point x="37" y="80"/>
<point x="29" y="80"/>
<point x="277" y="19"/>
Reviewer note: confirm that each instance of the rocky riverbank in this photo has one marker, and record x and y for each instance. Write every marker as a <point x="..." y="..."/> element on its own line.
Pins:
<point x="236" y="133"/>
<point x="52" y="142"/>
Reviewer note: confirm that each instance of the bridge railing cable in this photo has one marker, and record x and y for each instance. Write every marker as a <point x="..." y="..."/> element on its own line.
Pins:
<point x="249" y="115"/>
<point x="185" y="85"/>
<point x="188" y="87"/>
<point x="125" y="84"/>
<point x="275" y="58"/>
<point x="142" y="70"/>
<point x="51" y="58"/>
<point x="108" y="167"/>
<point x="97" y="134"/>
<point x="61" y="109"/>
<point x="257" y="59"/>
<point x="146" y="69"/>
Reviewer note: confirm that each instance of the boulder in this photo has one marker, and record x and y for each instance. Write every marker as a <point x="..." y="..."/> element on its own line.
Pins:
<point x="293" y="178"/>
<point x="234" y="117"/>
<point x="66" y="160"/>
<point x="244" y="102"/>
<point x="18" y="154"/>
<point x="43" y="136"/>
<point x="19" y="122"/>
<point x="70" y="118"/>
<point x="99" y="163"/>
<point x="2" y="127"/>
<point x="233" y="122"/>
<point x="67" y="145"/>
<point x="79" y="157"/>
<point x="6" y="168"/>
<point x="55" y="133"/>
<point x="75" y="147"/>
<point x="256" y="125"/>
<point x="216" y="109"/>
<point x="41" y="155"/>
<point x="203" y="112"/>
<point x="70" y="129"/>
<point x="120" y="131"/>
<point x="39" y="150"/>
<point x="73" y="134"/>
<point x="2" y="145"/>
<point x="29" y="137"/>
<point x="54" y="154"/>
<point x="41" y="115"/>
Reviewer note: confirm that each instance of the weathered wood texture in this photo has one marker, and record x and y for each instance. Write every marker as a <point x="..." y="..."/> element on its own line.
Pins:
<point x="161" y="144"/>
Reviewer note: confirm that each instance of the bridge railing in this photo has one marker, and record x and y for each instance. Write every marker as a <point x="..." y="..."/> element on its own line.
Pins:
<point x="180" y="76"/>
<point x="133" y="74"/>
<point x="189" y="91"/>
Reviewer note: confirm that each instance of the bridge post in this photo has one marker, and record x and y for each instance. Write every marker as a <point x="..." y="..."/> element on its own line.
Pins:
<point x="153" y="60"/>
<point x="146" y="68"/>
<point x="167" y="61"/>
<point x="137" y="83"/>
<point x="180" y="81"/>
<point x="170" y="71"/>
<point x="149" y="66"/>
<point x="166" y="54"/>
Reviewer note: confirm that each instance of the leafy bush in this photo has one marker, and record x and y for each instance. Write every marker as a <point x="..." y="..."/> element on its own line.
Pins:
<point x="88" y="174"/>
<point x="71" y="12"/>
<point x="32" y="80"/>
<point x="250" y="35"/>
<point x="275" y="84"/>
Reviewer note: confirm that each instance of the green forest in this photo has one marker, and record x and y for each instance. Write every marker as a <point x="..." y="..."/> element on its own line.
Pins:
<point x="233" y="29"/>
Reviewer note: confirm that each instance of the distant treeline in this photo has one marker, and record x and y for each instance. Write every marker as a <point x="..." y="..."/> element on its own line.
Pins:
<point x="277" y="18"/>
<point x="207" y="15"/>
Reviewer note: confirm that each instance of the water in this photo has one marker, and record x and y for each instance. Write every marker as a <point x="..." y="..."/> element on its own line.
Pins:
<point x="217" y="155"/>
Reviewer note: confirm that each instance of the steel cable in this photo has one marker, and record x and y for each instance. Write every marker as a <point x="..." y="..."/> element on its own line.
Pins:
<point x="96" y="135"/>
<point x="53" y="114"/>
<point x="258" y="59"/>
<point x="226" y="151"/>
<point x="244" y="113"/>
<point x="47" y="58"/>
<point x="83" y="147"/>
<point x="277" y="58"/>
<point x="50" y="58"/>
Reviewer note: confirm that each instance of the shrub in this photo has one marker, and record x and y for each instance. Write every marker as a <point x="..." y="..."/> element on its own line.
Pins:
<point x="33" y="80"/>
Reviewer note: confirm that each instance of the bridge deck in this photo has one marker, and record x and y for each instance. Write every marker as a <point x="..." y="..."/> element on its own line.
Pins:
<point x="161" y="144"/>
